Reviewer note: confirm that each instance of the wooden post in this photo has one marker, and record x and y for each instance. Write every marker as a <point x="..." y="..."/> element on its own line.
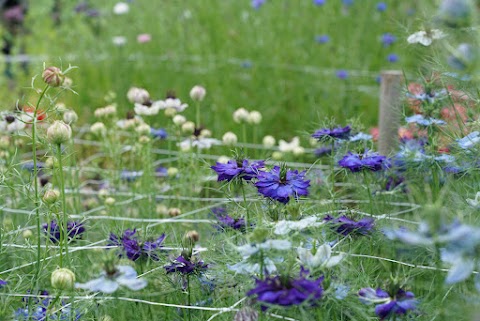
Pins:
<point x="390" y="110"/>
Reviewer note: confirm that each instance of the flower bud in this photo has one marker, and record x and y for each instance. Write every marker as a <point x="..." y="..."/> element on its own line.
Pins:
<point x="223" y="159"/>
<point x="172" y="171"/>
<point x="268" y="141"/>
<point x="254" y="117"/>
<point x="98" y="128"/>
<point x="229" y="138"/>
<point x="109" y="201"/>
<point x="27" y="234"/>
<point x="179" y="120"/>
<point x="67" y="82"/>
<point x="53" y="76"/>
<point x="106" y="318"/>
<point x="161" y="209"/>
<point x="144" y="139"/>
<point x="170" y="112"/>
<point x="59" y="132"/>
<point x="138" y="95"/>
<point x="188" y="127"/>
<point x="277" y="155"/>
<point x="192" y="237"/>
<point x="70" y="117"/>
<point x="240" y="115"/>
<point x="51" y="196"/>
<point x="174" y="211"/>
<point x="143" y="129"/>
<point x="298" y="150"/>
<point x="205" y="133"/>
<point x="63" y="279"/>
<point x="198" y="93"/>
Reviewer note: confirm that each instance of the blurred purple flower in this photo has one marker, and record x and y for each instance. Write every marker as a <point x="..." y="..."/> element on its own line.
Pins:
<point x="319" y="2"/>
<point x="279" y="184"/>
<point x="234" y="169"/>
<point x="346" y="226"/>
<point x="381" y="6"/>
<point x="400" y="303"/>
<point x="159" y="133"/>
<point x="322" y="39"/>
<point x="184" y="266"/>
<point x="283" y="291"/>
<point x="53" y="230"/>
<point x="342" y="74"/>
<point x="226" y="221"/>
<point x="133" y="248"/>
<point x="256" y="4"/>
<point x="388" y="39"/>
<point x="367" y="161"/>
<point x="2" y="283"/>
<point x="392" y="58"/>
<point x="335" y="133"/>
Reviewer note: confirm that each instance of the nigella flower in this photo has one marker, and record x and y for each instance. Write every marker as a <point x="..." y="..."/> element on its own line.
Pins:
<point x="381" y="6"/>
<point x="425" y="37"/>
<point x="37" y="308"/>
<point x="186" y="266"/>
<point x="322" y="39"/>
<point x="283" y="291"/>
<point x="400" y="303"/>
<point x="319" y="2"/>
<point x="114" y="277"/>
<point x="424" y="121"/>
<point x="53" y="230"/>
<point x="226" y="221"/>
<point x="159" y="133"/>
<point x="281" y="184"/>
<point x="333" y="133"/>
<point x="322" y="257"/>
<point x="367" y="161"/>
<point x="256" y="4"/>
<point x="361" y="136"/>
<point x="135" y="249"/>
<point x="236" y="169"/>
<point x="322" y="151"/>
<point x="3" y="283"/>
<point x="392" y="58"/>
<point x="469" y="141"/>
<point x="342" y="74"/>
<point x="346" y="226"/>
<point x="388" y="39"/>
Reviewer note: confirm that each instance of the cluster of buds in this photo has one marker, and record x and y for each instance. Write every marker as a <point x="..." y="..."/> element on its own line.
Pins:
<point x="242" y="115"/>
<point x="138" y="96"/>
<point x="106" y="112"/>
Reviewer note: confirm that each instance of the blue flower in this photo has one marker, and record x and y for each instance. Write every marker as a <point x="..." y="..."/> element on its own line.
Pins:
<point x="360" y="136"/>
<point x="2" y="283"/>
<point x="281" y="184"/>
<point x="469" y="141"/>
<point x="424" y="121"/>
<point x="283" y="291"/>
<point x="53" y="230"/>
<point x="347" y="2"/>
<point x="381" y="6"/>
<point x="342" y="74"/>
<point x="332" y="133"/>
<point x="130" y="176"/>
<point x="392" y="58"/>
<point x="319" y="2"/>
<point x="110" y="281"/>
<point x="160" y="133"/>
<point x="226" y="221"/>
<point x="388" y="39"/>
<point x="322" y="39"/>
<point x="399" y="303"/>
<point x="346" y="226"/>
<point x="39" y="308"/>
<point x="367" y="161"/>
<point x="134" y="249"/>
<point x="256" y="4"/>
<point x="234" y="169"/>
<point x="456" y="13"/>
<point x="186" y="266"/>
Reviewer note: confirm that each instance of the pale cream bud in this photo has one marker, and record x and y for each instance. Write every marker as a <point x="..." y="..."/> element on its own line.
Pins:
<point x="59" y="132"/>
<point x="223" y="159"/>
<point x="26" y="234"/>
<point x="144" y="139"/>
<point x="179" y="120"/>
<point x="53" y="76"/>
<point x="170" y="112"/>
<point x="174" y="211"/>
<point x="240" y="115"/>
<point x="298" y="150"/>
<point x="109" y="201"/>
<point x="229" y="138"/>
<point x="277" y="155"/>
<point x="98" y="129"/>
<point x="205" y="133"/>
<point x="70" y="117"/>
<point x="268" y="141"/>
<point x="103" y="193"/>
<point x="161" y="209"/>
<point x="172" y="171"/>
<point x="188" y="127"/>
<point x="192" y="237"/>
<point x="143" y="129"/>
<point x="63" y="279"/>
<point x="254" y="117"/>
<point x="138" y="95"/>
<point x="198" y="93"/>
<point x="67" y="82"/>
<point x="51" y="196"/>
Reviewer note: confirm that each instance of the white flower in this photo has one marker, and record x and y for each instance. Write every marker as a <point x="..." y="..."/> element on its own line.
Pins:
<point x="284" y="227"/>
<point x="10" y="123"/>
<point x="229" y="139"/>
<point x="250" y="249"/>
<point x="179" y="120"/>
<point x="474" y="202"/>
<point x="124" y="275"/>
<point x="426" y="37"/>
<point x="268" y="141"/>
<point x="143" y="110"/>
<point x="198" y="93"/>
<point x="240" y="115"/>
<point x="174" y="103"/>
<point x="245" y="267"/>
<point x="254" y="117"/>
<point x="286" y="147"/>
<point x="200" y="143"/>
<point x="119" y="41"/>
<point x="121" y="8"/>
<point x="322" y="258"/>
<point x="138" y="95"/>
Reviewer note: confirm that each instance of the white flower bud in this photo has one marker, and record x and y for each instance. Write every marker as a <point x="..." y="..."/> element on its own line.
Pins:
<point x="179" y="120"/>
<point x="205" y="133"/>
<point x="59" y="132"/>
<point x="63" y="279"/>
<point x="174" y="211"/>
<point x="144" y="139"/>
<point x="138" y="95"/>
<point x="240" y="115"/>
<point x="198" y="93"/>
<point x="170" y="112"/>
<point x="70" y="117"/>
<point x="98" y="129"/>
<point x="121" y="8"/>
<point x="188" y="127"/>
<point x="298" y="150"/>
<point x="223" y="159"/>
<point x="229" y="138"/>
<point x="172" y="171"/>
<point x="143" y="129"/>
<point x="51" y="196"/>
<point x="254" y="117"/>
<point x="268" y="141"/>
<point x="277" y="155"/>
<point x="161" y="209"/>
<point x="27" y="234"/>
<point x="67" y="82"/>
<point x="109" y="201"/>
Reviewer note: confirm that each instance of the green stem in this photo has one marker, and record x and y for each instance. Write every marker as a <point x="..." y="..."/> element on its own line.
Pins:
<point x="244" y="138"/>
<point x="64" y="218"/>
<point x="36" y="199"/>
<point x="247" y="216"/>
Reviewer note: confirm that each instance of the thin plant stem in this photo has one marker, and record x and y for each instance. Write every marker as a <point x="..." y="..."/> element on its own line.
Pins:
<point x="64" y="217"/>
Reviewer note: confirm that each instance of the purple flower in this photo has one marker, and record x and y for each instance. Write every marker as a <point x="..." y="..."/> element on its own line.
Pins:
<point x="133" y="248"/>
<point x="234" y="169"/>
<point x="159" y="133"/>
<point x="394" y="182"/>
<point x="226" y="221"/>
<point x="280" y="184"/>
<point x="37" y="309"/>
<point x="287" y="291"/>
<point x="400" y="303"/>
<point x="53" y="230"/>
<point x="2" y="283"/>
<point x="114" y="277"/>
<point x="342" y="74"/>
<point x="381" y="6"/>
<point x="322" y="151"/>
<point x="392" y="58"/>
<point x="368" y="160"/>
<point x="319" y="2"/>
<point x="388" y="39"/>
<point x="322" y="39"/>
<point x="256" y="4"/>
<point x="347" y="226"/>
<point x="332" y="133"/>
<point x="184" y="266"/>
